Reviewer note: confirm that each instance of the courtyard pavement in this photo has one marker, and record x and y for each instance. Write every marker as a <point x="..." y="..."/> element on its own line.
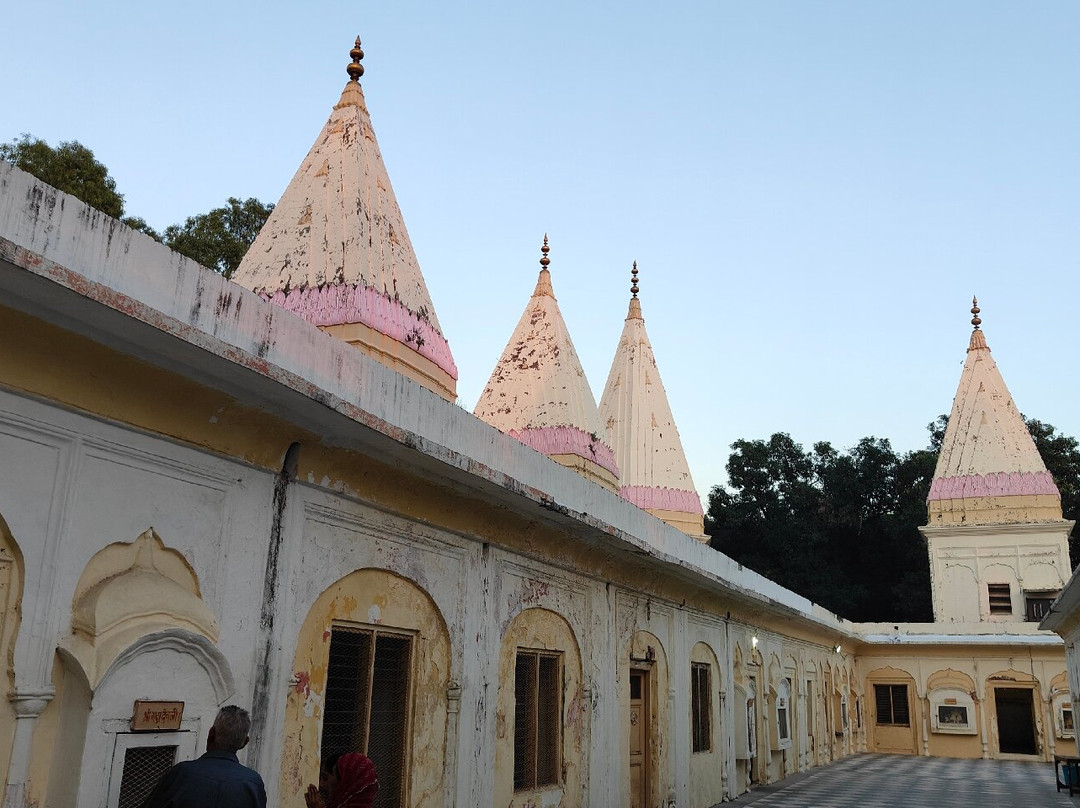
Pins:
<point x="885" y="781"/>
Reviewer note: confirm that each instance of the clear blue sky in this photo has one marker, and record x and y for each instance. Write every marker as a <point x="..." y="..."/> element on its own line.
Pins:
<point x="813" y="191"/>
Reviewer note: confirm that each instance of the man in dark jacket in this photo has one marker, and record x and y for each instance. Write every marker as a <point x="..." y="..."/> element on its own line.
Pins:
<point x="217" y="779"/>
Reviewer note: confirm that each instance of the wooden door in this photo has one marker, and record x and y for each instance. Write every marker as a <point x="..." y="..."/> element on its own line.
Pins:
<point x="639" y="738"/>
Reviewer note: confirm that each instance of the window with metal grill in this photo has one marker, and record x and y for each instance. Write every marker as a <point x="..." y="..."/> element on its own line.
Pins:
<point x="1000" y="598"/>
<point x="783" y="700"/>
<point x="1038" y="606"/>
<point x="701" y="706"/>
<point x="367" y="703"/>
<point x="143" y="767"/>
<point x="537" y="710"/>
<point x="892" y="705"/>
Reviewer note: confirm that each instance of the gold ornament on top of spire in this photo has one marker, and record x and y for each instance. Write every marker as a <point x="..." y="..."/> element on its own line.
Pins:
<point x="978" y="339"/>
<point x="355" y="69"/>
<point x="635" y="304"/>
<point x="543" y="283"/>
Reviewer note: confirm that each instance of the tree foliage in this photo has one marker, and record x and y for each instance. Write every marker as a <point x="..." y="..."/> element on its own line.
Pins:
<point x="841" y="528"/>
<point x="219" y="239"/>
<point x="70" y="167"/>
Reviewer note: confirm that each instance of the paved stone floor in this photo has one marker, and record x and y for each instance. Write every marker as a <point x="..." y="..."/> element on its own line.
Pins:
<point x="885" y="781"/>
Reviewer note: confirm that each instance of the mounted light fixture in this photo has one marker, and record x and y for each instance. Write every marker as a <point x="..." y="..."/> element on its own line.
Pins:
<point x="753" y="641"/>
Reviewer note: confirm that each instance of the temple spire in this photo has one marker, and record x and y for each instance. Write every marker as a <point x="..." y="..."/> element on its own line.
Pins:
<point x="538" y="392"/>
<point x="654" y="474"/>
<point x="989" y="470"/>
<point x="335" y="251"/>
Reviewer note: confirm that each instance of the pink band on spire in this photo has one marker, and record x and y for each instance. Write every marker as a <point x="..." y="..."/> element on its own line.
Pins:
<point x="1001" y="484"/>
<point x="551" y="440"/>
<point x="662" y="499"/>
<point x="341" y="304"/>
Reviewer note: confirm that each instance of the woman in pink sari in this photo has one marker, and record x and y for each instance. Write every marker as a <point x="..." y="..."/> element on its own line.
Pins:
<point x="354" y="785"/>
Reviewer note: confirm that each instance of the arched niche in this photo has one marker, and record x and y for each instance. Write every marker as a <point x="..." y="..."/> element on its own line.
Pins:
<point x="540" y="676"/>
<point x="644" y="718"/>
<point x="372" y="603"/>
<point x="953" y="705"/>
<point x="737" y="668"/>
<point x="705" y="683"/>
<point x="11" y="589"/>
<point x="128" y="591"/>
<point x="959" y="594"/>
<point x="1040" y="576"/>
<point x="893" y="712"/>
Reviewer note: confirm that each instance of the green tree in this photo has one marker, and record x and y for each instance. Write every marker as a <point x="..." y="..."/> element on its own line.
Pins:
<point x="219" y="239"/>
<point x="838" y="527"/>
<point x="72" y="168"/>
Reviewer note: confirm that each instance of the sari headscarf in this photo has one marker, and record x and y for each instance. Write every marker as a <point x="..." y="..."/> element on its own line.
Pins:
<point x="357" y="782"/>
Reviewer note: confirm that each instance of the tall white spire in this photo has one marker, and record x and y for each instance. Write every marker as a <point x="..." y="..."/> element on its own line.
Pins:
<point x="336" y="252"/>
<point x="654" y="473"/>
<point x="539" y="394"/>
<point x="989" y="470"/>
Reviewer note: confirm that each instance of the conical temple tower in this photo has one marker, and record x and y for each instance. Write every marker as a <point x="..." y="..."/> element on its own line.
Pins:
<point x="654" y="473"/>
<point x="539" y="394"/>
<point x="998" y="544"/>
<point x="336" y="252"/>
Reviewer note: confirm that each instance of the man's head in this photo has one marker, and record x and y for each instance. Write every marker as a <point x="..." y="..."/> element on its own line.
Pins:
<point x="230" y="730"/>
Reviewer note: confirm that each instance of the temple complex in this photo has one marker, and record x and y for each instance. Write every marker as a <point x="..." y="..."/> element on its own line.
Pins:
<point x="260" y="491"/>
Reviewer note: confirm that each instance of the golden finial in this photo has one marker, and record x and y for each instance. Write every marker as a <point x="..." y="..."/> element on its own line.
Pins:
<point x="975" y="321"/>
<point x="355" y="69"/>
<point x="633" y="280"/>
<point x="544" y="260"/>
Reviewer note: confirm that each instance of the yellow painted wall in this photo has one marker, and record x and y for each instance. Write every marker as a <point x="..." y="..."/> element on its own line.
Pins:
<point x="544" y="630"/>
<point x="378" y="599"/>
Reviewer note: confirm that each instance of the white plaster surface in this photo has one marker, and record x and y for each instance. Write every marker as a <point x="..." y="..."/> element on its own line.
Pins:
<point x="637" y="416"/>
<point x="986" y="434"/>
<point x="539" y="381"/>
<point x="338" y="221"/>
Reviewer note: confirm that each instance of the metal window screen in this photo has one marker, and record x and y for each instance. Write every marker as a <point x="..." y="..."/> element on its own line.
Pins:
<point x="537" y="700"/>
<point x="367" y="699"/>
<point x="143" y="767"/>
<point x="700" y="706"/>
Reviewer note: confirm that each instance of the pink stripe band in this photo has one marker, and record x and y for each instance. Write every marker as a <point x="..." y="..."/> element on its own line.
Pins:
<point x="659" y="498"/>
<point x="551" y="440"/>
<point x="1002" y="484"/>
<point x="342" y="304"/>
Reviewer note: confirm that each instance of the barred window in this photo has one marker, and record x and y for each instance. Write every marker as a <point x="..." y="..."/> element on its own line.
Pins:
<point x="1038" y="605"/>
<point x="537" y="724"/>
<point x="367" y="703"/>
<point x="701" y="706"/>
<point x="892" y="705"/>
<point x="143" y="767"/>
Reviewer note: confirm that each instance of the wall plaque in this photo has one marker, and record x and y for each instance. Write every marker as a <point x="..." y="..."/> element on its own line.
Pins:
<point x="155" y="716"/>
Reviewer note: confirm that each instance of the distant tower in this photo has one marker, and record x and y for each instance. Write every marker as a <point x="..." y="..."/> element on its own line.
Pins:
<point x="654" y="474"/>
<point x="998" y="545"/>
<point x="335" y="251"/>
<point x="538" y="392"/>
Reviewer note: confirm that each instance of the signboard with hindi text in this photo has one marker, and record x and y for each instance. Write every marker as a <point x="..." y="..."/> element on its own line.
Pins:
<point x="156" y="716"/>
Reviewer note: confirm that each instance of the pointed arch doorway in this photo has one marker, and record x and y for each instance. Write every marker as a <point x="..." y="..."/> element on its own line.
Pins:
<point x="640" y="710"/>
